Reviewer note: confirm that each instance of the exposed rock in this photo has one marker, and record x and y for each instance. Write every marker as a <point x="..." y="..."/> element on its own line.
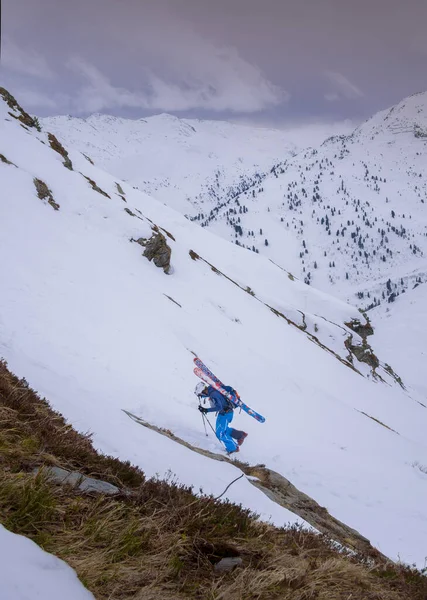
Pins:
<point x="88" y="158"/>
<point x="377" y="421"/>
<point x="168" y="233"/>
<point x="363" y="330"/>
<point x="129" y="212"/>
<point x="157" y="250"/>
<point x="4" y="160"/>
<point x="120" y="189"/>
<point x="121" y="192"/>
<point x="172" y="300"/>
<point x="363" y="353"/>
<point x="395" y="376"/>
<point x="419" y="132"/>
<point x="79" y="481"/>
<point x="193" y="255"/>
<point x="95" y="187"/>
<point x="44" y="193"/>
<point x="228" y="564"/>
<point x="22" y="116"/>
<point x="56" y="145"/>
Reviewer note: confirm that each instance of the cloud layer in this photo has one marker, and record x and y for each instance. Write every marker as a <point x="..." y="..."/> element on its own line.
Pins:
<point x="272" y="59"/>
<point x="227" y="83"/>
<point x="25" y="62"/>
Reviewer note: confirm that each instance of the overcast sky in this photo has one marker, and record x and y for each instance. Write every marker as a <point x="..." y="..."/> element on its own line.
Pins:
<point x="265" y="61"/>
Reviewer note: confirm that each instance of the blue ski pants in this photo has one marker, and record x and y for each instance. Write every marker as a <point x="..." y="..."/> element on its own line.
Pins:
<point x="225" y="433"/>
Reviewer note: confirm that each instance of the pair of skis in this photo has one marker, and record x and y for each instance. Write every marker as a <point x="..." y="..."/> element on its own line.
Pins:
<point x="206" y="375"/>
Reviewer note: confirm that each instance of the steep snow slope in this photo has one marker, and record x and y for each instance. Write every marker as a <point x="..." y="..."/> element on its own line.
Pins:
<point x="179" y="161"/>
<point x="401" y="332"/>
<point x="97" y="328"/>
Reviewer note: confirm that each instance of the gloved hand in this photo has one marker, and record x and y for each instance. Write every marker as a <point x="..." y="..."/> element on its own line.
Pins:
<point x="202" y="409"/>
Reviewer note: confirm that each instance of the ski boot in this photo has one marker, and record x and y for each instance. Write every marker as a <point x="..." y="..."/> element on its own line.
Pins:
<point x="242" y="439"/>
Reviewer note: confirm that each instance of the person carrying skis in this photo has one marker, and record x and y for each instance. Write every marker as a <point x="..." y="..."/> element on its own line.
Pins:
<point x="231" y="438"/>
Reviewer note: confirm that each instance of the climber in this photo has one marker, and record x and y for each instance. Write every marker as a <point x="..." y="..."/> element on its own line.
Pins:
<point x="231" y="438"/>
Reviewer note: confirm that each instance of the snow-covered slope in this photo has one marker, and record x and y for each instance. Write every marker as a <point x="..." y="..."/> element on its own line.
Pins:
<point x="97" y="328"/>
<point x="405" y="321"/>
<point x="183" y="162"/>
<point x="27" y="572"/>
<point x="339" y="216"/>
<point x="352" y="211"/>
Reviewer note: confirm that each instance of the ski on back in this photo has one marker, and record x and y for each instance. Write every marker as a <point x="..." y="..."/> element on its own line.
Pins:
<point x="208" y="372"/>
<point x="218" y="386"/>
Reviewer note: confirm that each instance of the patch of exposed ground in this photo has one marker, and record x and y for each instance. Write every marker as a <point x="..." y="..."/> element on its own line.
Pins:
<point x="18" y="112"/>
<point x="4" y="160"/>
<point x="56" y="145"/>
<point x="95" y="187"/>
<point x="44" y="193"/>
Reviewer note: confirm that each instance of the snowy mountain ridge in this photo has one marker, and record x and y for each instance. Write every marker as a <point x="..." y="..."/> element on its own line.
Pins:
<point x="348" y="212"/>
<point x="96" y="327"/>
<point x="180" y="161"/>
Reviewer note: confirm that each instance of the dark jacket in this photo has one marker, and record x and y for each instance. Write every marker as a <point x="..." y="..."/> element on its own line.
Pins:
<point x="218" y="402"/>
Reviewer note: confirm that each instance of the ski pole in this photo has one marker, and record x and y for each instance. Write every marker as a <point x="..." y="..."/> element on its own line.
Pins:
<point x="213" y="430"/>
<point x="204" y="424"/>
<point x="203" y="417"/>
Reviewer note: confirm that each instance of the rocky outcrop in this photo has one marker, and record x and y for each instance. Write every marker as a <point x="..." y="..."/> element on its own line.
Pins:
<point x="88" y="158"/>
<point x="95" y="187"/>
<point x="363" y="353"/>
<point x="44" y="193"/>
<point x="362" y="329"/>
<point x="21" y="115"/>
<point x="78" y="480"/>
<point x="56" y="145"/>
<point x="158" y="251"/>
<point x="419" y="132"/>
<point x="225" y="565"/>
<point x="120" y="189"/>
<point x="120" y="192"/>
<point x="4" y="160"/>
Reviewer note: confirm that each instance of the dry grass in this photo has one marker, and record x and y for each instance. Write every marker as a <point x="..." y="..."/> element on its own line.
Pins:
<point x="161" y="542"/>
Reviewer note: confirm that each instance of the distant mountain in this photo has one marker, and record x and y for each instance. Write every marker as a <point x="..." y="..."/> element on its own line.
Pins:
<point x="348" y="216"/>
<point x="183" y="162"/>
<point x="89" y="316"/>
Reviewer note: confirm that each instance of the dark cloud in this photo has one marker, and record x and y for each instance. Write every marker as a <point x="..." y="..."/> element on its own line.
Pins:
<point x="277" y="60"/>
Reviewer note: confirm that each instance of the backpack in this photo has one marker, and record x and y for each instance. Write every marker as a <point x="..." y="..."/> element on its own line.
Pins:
<point x="230" y="390"/>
